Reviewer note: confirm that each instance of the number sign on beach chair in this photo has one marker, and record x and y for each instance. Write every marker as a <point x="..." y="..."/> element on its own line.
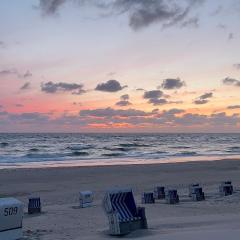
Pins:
<point x="172" y="196"/>
<point x="148" y="197"/>
<point x="11" y="215"/>
<point x="226" y="188"/>
<point x="86" y="199"/>
<point x="34" y="205"/>
<point x="123" y="215"/>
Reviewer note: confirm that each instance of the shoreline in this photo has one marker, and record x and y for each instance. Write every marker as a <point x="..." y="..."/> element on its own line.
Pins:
<point x="114" y="162"/>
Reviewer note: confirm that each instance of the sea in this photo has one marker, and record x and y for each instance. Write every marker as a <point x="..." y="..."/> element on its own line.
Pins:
<point x="70" y="149"/>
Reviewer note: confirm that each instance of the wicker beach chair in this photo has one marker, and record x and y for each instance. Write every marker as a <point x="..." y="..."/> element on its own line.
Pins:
<point x="148" y="198"/>
<point x="11" y="216"/>
<point x="123" y="214"/>
<point x="86" y="199"/>
<point x="226" y="188"/>
<point x="34" y="205"/>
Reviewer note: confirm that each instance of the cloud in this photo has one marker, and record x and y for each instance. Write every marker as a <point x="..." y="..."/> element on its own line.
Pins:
<point x="233" y="107"/>
<point x="29" y="117"/>
<point x="49" y="7"/>
<point x="2" y="44"/>
<point x="6" y="72"/>
<point x="155" y="97"/>
<point x="124" y="97"/>
<point x="25" y="86"/>
<point x="153" y="94"/>
<point x="157" y="101"/>
<point x="230" y="36"/>
<point x="51" y="87"/>
<point x="141" y="13"/>
<point x="19" y="105"/>
<point x="206" y="95"/>
<point x="110" y="86"/>
<point x="110" y="112"/>
<point x="145" y="13"/>
<point x="171" y="83"/>
<point x="27" y="74"/>
<point x="200" y="101"/>
<point x="237" y="66"/>
<point x="124" y="101"/>
<point x="203" y="99"/>
<point x="231" y="81"/>
<point x="191" y="22"/>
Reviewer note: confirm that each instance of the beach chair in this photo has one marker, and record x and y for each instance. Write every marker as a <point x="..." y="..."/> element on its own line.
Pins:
<point x="172" y="196"/>
<point x="11" y="215"/>
<point x="123" y="214"/>
<point x="197" y="194"/>
<point x="148" y="197"/>
<point x="34" y="205"/>
<point x="191" y="186"/>
<point x="86" y="199"/>
<point x="159" y="192"/>
<point x="226" y="188"/>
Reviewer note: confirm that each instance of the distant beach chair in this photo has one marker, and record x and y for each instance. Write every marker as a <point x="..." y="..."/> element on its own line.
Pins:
<point x="226" y="188"/>
<point x="148" y="197"/>
<point x="191" y="186"/>
<point x="197" y="194"/>
<point x="123" y="214"/>
<point x="159" y="192"/>
<point x="34" y="205"/>
<point x="86" y="199"/>
<point x="11" y="215"/>
<point x="172" y="196"/>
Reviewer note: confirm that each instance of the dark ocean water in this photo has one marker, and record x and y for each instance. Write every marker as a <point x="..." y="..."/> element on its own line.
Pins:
<point x="27" y="148"/>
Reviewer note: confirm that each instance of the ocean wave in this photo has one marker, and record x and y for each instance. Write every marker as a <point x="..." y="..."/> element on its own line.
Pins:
<point x="186" y="153"/>
<point x="79" y="147"/>
<point x="112" y="154"/>
<point x="33" y="149"/>
<point x="234" y="149"/>
<point x="78" y="153"/>
<point x="119" y="149"/>
<point x="4" y="144"/>
<point x="179" y="147"/>
<point x="133" y="145"/>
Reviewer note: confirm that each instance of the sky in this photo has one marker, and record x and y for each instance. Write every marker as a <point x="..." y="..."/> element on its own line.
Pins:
<point x="120" y="66"/>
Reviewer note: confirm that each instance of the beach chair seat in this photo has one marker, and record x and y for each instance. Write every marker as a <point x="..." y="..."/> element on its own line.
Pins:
<point x="123" y="214"/>
<point x="159" y="192"/>
<point x="86" y="199"/>
<point x="148" y="198"/>
<point x="34" y="205"/>
<point x="11" y="216"/>
<point x="172" y="196"/>
<point x="226" y="188"/>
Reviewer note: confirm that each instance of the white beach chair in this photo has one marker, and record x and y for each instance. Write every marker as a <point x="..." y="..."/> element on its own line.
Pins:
<point x="86" y="199"/>
<point x="11" y="215"/>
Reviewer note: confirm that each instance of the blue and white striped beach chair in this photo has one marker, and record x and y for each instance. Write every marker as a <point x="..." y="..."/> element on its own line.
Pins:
<point x="34" y="205"/>
<point x="123" y="215"/>
<point x="148" y="198"/>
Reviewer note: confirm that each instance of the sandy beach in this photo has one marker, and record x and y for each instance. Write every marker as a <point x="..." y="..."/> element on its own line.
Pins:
<point x="216" y="218"/>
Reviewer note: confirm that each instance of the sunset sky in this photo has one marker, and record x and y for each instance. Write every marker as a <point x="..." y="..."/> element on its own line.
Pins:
<point x="120" y="66"/>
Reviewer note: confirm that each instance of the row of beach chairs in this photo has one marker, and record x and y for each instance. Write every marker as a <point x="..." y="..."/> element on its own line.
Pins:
<point x="119" y="205"/>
